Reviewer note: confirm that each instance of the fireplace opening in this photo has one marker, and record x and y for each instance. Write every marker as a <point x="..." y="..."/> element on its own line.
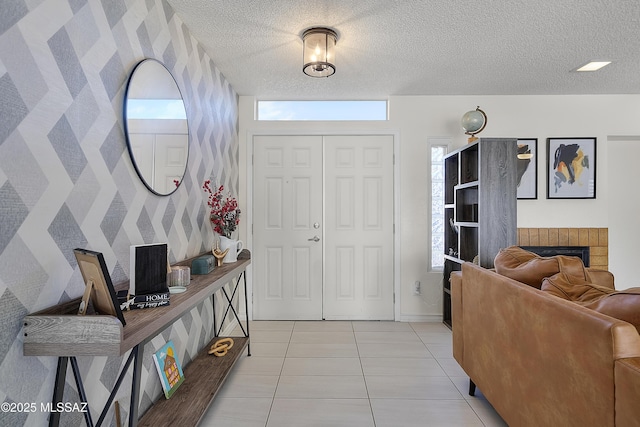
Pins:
<point x="581" y="252"/>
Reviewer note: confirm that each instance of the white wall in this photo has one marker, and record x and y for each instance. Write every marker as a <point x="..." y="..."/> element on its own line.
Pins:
<point x="415" y="119"/>
<point x="624" y="210"/>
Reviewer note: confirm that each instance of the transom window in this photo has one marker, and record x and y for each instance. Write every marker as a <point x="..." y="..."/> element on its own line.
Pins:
<point x="322" y="110"/>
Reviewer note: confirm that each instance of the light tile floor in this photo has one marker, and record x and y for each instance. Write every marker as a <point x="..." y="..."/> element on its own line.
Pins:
<point x="353" y="374"/>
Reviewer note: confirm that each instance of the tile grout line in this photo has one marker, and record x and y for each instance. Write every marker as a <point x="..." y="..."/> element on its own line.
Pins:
<point x="449" y="377"/>
<point x="284" y="359"/>
<point x="364" y="377"/>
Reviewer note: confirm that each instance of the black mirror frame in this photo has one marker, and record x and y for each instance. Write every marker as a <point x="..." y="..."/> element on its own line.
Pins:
<point x="126" y="129"/>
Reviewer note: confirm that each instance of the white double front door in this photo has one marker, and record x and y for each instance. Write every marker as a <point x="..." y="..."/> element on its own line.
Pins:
<point x="323" y="227"/>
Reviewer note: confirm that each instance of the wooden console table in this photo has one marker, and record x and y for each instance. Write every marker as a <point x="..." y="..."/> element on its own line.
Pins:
<point x="58" y="331"/>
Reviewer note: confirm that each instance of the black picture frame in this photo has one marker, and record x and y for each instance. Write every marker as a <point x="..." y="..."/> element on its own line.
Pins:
<point x="100" y="289"/>
<point x="571" y="168"/>
<point x="148" y="268"/>
<point x="527" y="168"/>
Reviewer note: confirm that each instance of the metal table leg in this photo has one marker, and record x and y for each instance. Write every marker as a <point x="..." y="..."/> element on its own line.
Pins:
<point x="58" y="390"/>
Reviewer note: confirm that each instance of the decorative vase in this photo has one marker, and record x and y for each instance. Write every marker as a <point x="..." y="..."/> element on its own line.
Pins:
<point x="234" y="246"/>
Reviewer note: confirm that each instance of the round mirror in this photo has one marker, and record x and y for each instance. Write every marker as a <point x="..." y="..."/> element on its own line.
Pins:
<point x="155" y="122"/>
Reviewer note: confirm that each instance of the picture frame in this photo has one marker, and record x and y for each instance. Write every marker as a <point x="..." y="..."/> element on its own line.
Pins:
<point x="148" y="267"/>
<point x="571" y="168"/>
<point x="99" y="288"/>
<point x="527" y="169"/>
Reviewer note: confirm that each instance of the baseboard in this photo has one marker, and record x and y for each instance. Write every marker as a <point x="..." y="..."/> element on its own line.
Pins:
<point x="425" y="318"/>
<point x="431" y="318"/>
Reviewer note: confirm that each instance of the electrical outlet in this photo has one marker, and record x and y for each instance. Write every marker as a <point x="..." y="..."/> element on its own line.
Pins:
<point x="416" y="288"/>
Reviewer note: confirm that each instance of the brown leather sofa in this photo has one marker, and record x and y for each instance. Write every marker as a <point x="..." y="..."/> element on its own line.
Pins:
<point x="541" y="360"/>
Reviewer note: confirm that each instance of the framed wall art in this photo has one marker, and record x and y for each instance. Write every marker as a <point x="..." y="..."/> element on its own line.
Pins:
<point x="527" y="168"/>
<point x="571" y="168"/>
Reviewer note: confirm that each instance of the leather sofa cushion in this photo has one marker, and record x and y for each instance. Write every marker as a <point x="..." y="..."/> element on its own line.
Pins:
<point x="574" y="289"/>
<point x="623" y="305"/>
<point x="527" y="267"/>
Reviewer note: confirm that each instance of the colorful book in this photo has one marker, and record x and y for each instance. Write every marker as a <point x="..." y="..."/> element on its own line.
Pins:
<point x="169" y="369"/>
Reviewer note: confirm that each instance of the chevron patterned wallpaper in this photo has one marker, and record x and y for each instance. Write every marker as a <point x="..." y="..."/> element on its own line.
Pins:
<point x="66" y="179"/>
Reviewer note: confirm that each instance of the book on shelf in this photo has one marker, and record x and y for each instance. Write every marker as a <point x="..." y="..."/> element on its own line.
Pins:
<point x="169" y="369"/>
<point x="136" y="302"/>
<point x="124" y="295"/>
<point x="130" y="305"/>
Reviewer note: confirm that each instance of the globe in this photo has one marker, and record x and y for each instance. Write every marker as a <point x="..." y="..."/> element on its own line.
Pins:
<point x="474" y="121"/>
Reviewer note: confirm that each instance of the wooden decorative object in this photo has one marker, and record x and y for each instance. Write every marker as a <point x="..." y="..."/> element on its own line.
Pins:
<point x="220" y="347"/>
<point x="219" y="254"/>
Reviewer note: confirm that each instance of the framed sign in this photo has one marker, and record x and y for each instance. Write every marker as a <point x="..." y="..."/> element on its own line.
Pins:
<point x="571" y="168"/>
<point x="527" y="168"/>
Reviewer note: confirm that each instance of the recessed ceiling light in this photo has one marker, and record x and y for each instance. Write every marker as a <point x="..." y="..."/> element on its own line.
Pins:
<point x="593" y="66"/>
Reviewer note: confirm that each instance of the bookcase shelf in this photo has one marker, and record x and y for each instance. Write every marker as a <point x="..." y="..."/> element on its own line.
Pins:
<point x="480" y="206"/>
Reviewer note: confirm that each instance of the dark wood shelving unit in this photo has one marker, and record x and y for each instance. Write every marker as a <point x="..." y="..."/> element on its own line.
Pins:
<point x="480" y="206"/>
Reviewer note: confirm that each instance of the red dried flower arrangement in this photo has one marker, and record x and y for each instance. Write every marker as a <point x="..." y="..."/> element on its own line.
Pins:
<point x="224" y="214"/>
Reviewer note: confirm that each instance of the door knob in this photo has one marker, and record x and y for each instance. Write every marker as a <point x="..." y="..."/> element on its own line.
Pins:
<point x="314" y="239"/>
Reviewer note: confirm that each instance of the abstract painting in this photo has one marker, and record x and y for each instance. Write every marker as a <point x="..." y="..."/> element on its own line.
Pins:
<point x="571" y="168"/>
<point x="527" y="168"/>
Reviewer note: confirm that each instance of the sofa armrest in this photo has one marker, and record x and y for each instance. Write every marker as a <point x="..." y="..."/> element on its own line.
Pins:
<point x="627" y="377"/>
<point x="602" y="277"/>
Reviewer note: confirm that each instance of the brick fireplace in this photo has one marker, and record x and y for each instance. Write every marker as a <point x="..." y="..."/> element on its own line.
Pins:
<point x="597" y="239"/>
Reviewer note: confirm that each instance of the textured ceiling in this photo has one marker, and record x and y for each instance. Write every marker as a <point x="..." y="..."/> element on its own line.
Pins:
<point x="429" y="47"/>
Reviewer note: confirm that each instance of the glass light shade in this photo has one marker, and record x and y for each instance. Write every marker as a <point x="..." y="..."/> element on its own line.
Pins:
<point x="319" y="46"/>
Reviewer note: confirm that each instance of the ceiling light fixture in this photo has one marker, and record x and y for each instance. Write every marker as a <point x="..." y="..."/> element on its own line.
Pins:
<point x="593" y="66"/>
<point x="318" y="52"/>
